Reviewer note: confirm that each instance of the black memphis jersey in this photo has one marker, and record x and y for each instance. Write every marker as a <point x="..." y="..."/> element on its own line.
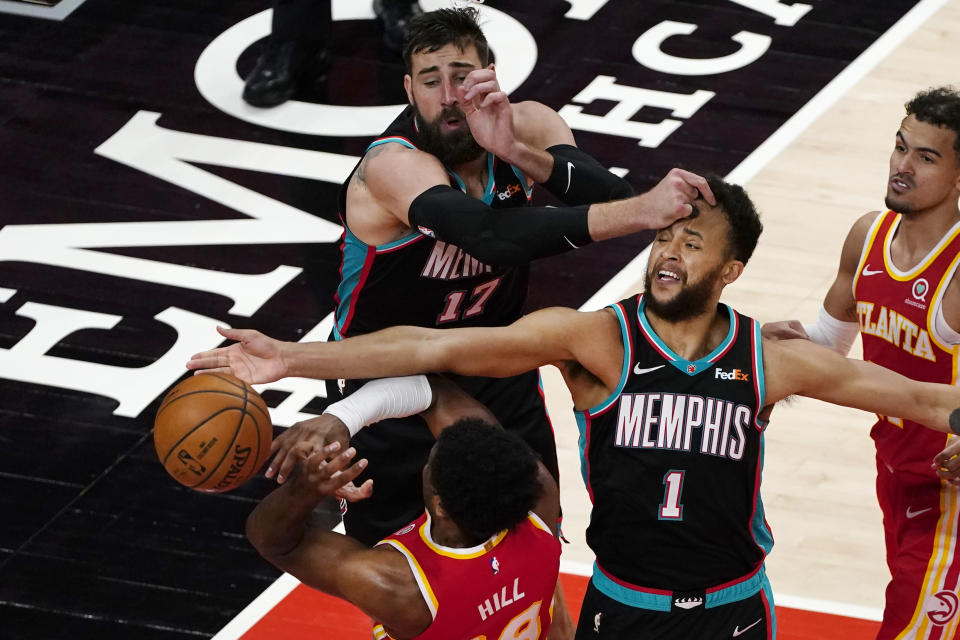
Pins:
<point x="673" y="459"/>
<point x="419" y="280"/>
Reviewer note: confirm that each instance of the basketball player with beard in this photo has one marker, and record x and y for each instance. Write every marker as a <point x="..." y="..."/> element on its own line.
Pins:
<point x="896" y="285"/>
<point x="672" y="391"/>
<point x="438" y="233"/>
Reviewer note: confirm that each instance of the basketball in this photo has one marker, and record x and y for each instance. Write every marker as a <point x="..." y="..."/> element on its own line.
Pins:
<point x="212" y="432"/>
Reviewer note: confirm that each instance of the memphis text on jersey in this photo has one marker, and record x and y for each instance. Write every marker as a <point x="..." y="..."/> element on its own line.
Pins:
<point x="889" y="325"/>
<point x="670" y="420"/>
<point x="450" y="262"/>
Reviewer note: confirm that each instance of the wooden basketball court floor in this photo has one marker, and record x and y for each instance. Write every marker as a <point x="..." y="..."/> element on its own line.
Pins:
<point x="97" y="542"/>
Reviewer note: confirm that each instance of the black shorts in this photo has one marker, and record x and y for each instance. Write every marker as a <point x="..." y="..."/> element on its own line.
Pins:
<point x="397" y="450"/>
<point x="603" y="618"/>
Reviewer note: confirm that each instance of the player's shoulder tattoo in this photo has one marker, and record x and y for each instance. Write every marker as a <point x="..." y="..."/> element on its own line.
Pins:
<point x="371" y="153"/>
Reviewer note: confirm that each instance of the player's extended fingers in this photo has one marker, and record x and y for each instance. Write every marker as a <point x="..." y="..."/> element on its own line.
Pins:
<point x="478" y="76"/>
<point x="210" y="359"/>
<point x="700" y="184"/>
<point x="287" y="460"/>
<point x="352" y="493"/>
<point x="494" y="99"/>
<point x="240" y="335"/>
<point x="948" y="456"/>
<point x="350" y="473"/>
<point x="950" y="466"/>
<point x="327" y="464"/>
<point x="197" y="372"/>
<point x="694" y="184"/>
<point x="481" y="89"/>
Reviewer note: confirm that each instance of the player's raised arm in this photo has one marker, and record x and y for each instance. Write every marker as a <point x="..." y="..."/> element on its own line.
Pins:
<point x="378" y="581"/>
<point x="799" y="367"/>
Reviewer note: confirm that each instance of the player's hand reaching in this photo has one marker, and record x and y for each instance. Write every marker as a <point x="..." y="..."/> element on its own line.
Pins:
<point x="254" y="357"/>
<point x="328" y="471"/>
<point x="302" y="440"/>
<point x="488" y="112"/>
<point x="673" y="198"/>
<point x="947" y="463"/>
<point x="784" y="330"/>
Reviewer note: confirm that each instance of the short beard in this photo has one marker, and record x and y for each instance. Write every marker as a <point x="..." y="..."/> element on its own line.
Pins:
<point x="453" y="148"/>
<point x="692" y="301"/>
<point x="898" y="207"/>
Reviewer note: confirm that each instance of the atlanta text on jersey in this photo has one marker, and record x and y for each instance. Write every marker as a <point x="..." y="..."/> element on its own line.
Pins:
<point x="895" y="329"/>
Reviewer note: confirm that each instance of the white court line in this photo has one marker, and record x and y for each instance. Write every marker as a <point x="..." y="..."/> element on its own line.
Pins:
<point x="782" y="137"/>
<point x="261" y="605"/>
<point x="627" y="276"/>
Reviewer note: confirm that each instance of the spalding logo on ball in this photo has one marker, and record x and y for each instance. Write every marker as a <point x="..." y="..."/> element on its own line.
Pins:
<point x="212" y="432"/>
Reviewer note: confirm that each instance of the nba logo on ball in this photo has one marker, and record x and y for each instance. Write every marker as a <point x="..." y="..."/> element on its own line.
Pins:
<point x="212" y="432"/>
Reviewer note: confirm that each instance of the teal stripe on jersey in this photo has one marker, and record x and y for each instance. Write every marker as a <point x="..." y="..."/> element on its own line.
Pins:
<point x="398" y="140"/>
<point x="761" y="532"/>
<point x="380" y="248"/>
<point x="739" y="591"/>
<point x="355" y="255"/>
<point x="689" y="367"/>
<point x="628" y="596"/>
<point x="491" y="188"/>
<point x="527" y="188"/>
<point x="354" y="258"/>
<point x="771" y="609"/>
<point x="582" y="442"/>
<point x="625" y="367"/>
<point x="664" y="601"/>
<point x="758" y="366"/>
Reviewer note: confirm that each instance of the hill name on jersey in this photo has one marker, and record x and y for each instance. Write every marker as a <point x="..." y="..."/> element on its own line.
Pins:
<point x="500" y="600"/>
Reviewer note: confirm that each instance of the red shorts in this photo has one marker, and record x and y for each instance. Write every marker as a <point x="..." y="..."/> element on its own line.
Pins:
<point x="920" y="522"/>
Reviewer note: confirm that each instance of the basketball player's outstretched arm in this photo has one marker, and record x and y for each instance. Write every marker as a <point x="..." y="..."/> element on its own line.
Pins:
<point x="800" y="367"/>
<point x="378" y="581"/>
<point x="550" y="336"/>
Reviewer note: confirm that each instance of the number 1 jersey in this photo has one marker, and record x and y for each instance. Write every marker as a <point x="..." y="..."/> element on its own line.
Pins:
<point x="672" y="461"/>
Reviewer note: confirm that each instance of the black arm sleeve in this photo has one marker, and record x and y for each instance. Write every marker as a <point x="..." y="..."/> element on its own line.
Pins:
<point x="578" y="178"/>
<point x="508" y="237"/>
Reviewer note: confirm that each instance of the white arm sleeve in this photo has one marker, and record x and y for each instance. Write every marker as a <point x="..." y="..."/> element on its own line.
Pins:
<point x="832" y="333"/>
<point x="380" y="399"/>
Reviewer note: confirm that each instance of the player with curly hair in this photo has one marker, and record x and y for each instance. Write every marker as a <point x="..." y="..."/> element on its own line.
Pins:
<point x="482" y="560"/>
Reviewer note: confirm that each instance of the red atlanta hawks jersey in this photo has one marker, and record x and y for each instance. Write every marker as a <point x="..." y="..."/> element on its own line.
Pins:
<point x="502" y="588"/>
<point x="896" y="311"/>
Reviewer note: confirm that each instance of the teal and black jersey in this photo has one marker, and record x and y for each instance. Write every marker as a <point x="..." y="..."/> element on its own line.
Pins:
<point x="419" y="280"/>
<point x="672" y="461"/>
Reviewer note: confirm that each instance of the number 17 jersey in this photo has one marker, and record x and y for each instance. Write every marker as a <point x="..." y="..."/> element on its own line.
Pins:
<point x="672" y="462"/>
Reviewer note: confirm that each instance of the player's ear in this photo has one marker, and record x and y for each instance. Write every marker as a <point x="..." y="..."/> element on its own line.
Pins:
<point x="732" y="271"/>
<point x="408" y="87"/>
<point x="437" y="506"/>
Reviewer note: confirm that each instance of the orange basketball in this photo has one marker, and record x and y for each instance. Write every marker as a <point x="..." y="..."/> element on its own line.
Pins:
<point x="212" y="432"/>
